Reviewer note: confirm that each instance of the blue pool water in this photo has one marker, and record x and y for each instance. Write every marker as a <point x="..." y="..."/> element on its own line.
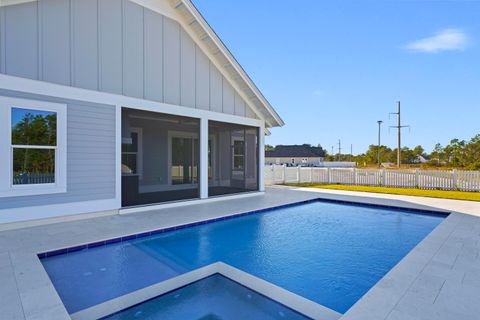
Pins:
<point x="212" y="298"/>
<point x="330" y="253"/>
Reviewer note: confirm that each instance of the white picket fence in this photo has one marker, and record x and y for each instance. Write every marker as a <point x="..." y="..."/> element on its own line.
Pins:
<point x="422" y="179"/>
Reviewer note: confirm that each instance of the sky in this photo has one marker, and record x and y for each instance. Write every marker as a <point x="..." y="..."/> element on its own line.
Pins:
<point x="331" y="69"/>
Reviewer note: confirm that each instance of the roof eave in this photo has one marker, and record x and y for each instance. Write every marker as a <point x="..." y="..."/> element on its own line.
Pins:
<point x="271" y="117"/>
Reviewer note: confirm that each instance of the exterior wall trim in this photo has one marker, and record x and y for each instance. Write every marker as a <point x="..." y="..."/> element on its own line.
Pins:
<point x="44" y="88"/>
<point x="55" y="210"/>
<point x="19" y="215"/>
<point x="182" y="203"/>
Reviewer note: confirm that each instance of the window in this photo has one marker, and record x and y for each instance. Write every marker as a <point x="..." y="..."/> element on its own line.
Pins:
<point x="238" y="154"/>
<point x="32" y="151"/>
<point x="132" y="153"/>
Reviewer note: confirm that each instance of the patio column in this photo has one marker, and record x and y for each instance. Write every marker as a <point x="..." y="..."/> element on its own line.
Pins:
<point x="203" y="158"/>
<point x="261" y="157"/>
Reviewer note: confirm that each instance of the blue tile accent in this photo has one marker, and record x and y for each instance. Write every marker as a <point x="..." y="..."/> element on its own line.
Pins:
<point x="126" y="238"/>
<point x="56" y="252"/>
<point x="114" y="240"/>
<point x="77" y="248"/>
<point x="97" y="244"/>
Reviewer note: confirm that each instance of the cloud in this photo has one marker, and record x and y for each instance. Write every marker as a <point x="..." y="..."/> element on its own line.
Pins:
<point x="318" y="93"/>
<point x="444" y="40"/>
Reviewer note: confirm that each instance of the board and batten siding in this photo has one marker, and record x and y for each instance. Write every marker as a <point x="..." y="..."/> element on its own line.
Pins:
<point x="90" y="155"/>
<point x="114" y="46"/>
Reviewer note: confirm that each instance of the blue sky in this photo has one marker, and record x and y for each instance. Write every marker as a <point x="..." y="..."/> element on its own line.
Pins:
<point x="333" y="68"/>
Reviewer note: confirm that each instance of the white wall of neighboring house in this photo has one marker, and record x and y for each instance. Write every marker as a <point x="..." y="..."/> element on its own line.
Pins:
<point x="295" y="161"/>
<point x="308" y="162"/>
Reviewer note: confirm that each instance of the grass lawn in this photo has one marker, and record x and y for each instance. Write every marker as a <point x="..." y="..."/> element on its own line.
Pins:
<point x="457" y="195"/>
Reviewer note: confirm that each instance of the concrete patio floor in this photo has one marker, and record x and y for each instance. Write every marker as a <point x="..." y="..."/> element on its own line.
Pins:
<point x="438" y="279"/>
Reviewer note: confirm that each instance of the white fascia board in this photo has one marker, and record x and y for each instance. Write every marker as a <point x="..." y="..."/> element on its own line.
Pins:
<point x="201" y="43"/>
<point x="232" y="61"/>
<point x="162" y="7"/>
<point x="66" y="92"/>
<point x="196" y="18"/>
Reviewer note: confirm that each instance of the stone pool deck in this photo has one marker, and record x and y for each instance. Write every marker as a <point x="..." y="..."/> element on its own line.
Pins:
<point x="439" y="279"/>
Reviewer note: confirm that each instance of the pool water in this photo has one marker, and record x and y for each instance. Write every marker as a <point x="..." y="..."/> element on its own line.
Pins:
<point x="212" y="298"/>
<point x="330" y="253"/>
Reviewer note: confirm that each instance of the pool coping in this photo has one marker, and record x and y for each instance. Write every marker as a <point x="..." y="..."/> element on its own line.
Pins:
<point x="144" y="234"/>
<point x="443" y="254"/>
<point x="295" y="302"/>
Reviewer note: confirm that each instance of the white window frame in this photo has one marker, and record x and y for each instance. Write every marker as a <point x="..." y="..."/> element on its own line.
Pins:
<point x="244" y="155"/>
<point x="139" y="153"/>
<point x="7" y="188"/>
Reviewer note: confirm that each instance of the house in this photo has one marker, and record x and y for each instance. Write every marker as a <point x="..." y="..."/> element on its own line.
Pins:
<point x="419" y="158"/>
<point x="295" y="155"/>
<point x="114" y="105"/>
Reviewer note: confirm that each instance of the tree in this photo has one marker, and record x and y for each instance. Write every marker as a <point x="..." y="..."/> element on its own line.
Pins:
<point x="269" y="147"/>
<point x="437" y="154"/>
<point x="34" y="130"/>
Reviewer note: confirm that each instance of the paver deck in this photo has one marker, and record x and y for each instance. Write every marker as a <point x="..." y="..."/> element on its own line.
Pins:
<point x="438" y="279"/>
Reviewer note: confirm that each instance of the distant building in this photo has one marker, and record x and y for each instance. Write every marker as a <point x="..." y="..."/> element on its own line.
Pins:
<point x="420" y="159"/>
<point x="295" y="155"/>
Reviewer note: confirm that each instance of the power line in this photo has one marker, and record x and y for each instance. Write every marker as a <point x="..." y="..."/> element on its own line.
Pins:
<point x="399" y="127"/>
<point x="378" y="151"/>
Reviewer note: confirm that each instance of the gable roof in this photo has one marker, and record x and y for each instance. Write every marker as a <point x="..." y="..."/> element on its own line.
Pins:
<point x="295" y="151"/>
<point x="237" y="74"/>
<point x="216" y="50"/>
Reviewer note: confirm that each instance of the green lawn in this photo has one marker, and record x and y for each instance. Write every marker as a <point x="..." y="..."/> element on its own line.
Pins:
<point x="457" y="195"/>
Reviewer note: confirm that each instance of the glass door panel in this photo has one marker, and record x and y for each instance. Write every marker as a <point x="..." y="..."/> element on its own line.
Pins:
<point x="182" y="161"/>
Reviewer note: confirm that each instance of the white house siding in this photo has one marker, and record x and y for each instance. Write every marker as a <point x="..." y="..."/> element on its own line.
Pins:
<point x="114" y="46"/>
<point x="90" y="155"/>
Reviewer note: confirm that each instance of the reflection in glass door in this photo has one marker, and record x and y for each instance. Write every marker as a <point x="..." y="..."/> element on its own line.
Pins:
<point x="184" y="168"/>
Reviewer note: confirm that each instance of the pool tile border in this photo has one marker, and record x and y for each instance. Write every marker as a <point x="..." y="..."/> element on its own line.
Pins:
<point x="101" y="243"/>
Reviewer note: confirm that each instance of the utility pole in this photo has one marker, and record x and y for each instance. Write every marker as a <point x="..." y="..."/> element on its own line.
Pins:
<point x="378" y="148"/>
<point x="339" y="148"/>
<point x="351" y="152"/>
<point x="399" y="127"/>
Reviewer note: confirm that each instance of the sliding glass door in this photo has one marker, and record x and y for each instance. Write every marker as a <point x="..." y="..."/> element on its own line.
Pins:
<point x="184" y="169"/>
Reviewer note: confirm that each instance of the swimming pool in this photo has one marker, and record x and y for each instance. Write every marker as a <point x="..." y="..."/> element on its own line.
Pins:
<point x="331" y="253"/>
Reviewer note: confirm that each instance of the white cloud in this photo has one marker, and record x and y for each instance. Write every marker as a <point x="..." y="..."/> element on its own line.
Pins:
<point x="444" y="40"/>
<point x="318" y="93"/>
